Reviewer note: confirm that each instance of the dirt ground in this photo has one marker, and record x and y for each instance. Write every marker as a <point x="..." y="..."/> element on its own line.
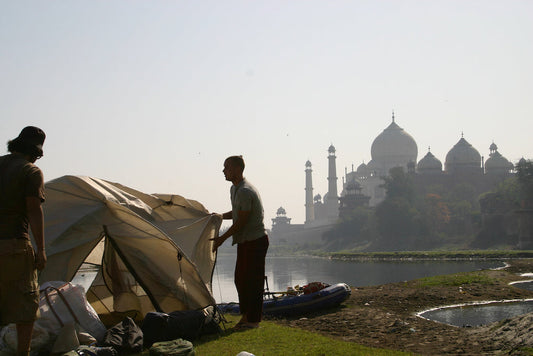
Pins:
<point x="385" y="316"/>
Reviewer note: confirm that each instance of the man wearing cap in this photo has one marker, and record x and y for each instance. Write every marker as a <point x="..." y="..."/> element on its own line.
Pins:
<point x="21" y="195"/>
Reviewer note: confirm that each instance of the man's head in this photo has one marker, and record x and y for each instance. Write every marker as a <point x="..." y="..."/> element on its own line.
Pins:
<point x="29" y="142"/>
<point x="233" y="168"/>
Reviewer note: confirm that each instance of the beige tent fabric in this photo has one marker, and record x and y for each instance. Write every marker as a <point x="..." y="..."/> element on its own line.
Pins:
<point x="156" y="252"/>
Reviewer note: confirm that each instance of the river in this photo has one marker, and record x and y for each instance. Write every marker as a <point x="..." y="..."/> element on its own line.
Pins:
<point x="283" y="272"/>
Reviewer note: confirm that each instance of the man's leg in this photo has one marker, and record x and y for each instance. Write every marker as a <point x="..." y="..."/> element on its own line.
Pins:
<point x="255" y="279"/>
<point x="24" y="333"/>
<point x="240" y="280"/>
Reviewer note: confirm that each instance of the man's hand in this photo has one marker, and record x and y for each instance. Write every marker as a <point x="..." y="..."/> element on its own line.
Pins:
<point x="217" y="215"/>
<point x="40" y="260"/>
<point x="217" y="241"/>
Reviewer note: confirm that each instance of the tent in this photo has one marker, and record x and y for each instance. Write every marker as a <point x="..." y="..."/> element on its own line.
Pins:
<point x="151" y="252"/>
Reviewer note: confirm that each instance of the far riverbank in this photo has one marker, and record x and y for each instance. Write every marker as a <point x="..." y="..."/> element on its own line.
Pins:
<point x="430" y="255"/>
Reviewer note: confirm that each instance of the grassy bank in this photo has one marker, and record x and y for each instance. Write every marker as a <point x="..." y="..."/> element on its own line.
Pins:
<point x="431" y="255"/>
<point x="275" y="339"/>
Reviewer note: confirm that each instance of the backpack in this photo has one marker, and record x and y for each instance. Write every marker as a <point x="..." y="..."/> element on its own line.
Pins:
<point x="125" y="337"/>
<point x="187" y="324"/>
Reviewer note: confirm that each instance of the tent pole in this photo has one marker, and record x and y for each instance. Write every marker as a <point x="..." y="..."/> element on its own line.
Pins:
<point x="132" y="271"/>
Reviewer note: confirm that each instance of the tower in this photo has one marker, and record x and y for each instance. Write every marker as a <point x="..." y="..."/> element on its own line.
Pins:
<point x="309" y="209"/>
<point x="332" y="198"/>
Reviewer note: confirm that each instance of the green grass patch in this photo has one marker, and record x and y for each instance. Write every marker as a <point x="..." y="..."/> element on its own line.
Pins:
<point x="455" y="280"/>
<point x="275" y="339"/>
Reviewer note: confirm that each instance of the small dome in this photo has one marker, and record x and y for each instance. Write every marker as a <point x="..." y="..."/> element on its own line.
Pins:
<point x="493" y="147"/>
<point x="331" y="149"/>
<point x="462" y="155"/>
<point x="393" y="147"/>
<point x="362" y="169"/>
<point x="308" y="163"/>
<point x="371" y="165"/>
<point x="317" y="198"/>
<point x="429" y="163"/>
<point x="281" y="211"/>
<point x="497" y="163"/>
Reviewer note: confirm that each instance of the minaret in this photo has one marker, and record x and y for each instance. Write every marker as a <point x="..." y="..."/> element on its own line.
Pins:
<point x="309" y="208"/>
<point x="332" y="203"/>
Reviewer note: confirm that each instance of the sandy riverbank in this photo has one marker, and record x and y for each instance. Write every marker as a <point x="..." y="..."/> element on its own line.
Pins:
<point x="385" y="316"/>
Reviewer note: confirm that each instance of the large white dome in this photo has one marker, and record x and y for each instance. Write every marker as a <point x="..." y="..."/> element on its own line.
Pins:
<point x="392" y="148"/>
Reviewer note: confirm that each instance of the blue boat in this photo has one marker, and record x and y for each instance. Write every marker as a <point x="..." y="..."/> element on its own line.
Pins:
<point x="283" y="304"/>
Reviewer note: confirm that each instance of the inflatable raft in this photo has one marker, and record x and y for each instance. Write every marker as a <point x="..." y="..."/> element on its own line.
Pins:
<point x="283" y="303"/>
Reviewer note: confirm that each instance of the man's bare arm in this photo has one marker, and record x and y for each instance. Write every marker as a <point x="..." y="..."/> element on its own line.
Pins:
<point x="242" y="218"/>
<point x="36" y="218"/>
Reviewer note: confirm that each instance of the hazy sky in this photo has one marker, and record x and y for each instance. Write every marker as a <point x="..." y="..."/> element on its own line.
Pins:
<point x="155" y="94"/>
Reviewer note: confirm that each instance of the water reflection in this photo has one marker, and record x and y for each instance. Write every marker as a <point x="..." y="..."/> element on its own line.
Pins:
<point x="283" y="272"/>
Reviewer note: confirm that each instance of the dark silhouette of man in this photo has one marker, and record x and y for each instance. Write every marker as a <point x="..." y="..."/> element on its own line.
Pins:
<point x="21" y="195"/>
<point x="248" y="231"/>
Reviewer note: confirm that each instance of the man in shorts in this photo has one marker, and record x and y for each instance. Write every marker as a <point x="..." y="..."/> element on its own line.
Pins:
<point x="248" y="231"/>
<point x="21" y="195"/>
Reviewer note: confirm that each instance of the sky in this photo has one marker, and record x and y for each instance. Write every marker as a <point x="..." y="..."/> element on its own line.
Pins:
<point x="156" y="94"/>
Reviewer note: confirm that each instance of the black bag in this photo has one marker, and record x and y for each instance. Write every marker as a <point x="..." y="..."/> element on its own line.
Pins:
<point x="188" y="325"/>
<point x="125" y="337"/>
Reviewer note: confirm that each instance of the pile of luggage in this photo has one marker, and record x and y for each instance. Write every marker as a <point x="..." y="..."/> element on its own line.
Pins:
<point x="69" y="325"/>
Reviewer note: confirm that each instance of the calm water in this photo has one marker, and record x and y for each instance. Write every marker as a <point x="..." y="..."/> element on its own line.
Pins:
<point x="479" y="314"/>
<point x="283" y="272"/>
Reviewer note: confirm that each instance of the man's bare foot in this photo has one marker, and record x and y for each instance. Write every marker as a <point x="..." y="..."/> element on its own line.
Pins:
<point x="246" y="326"/>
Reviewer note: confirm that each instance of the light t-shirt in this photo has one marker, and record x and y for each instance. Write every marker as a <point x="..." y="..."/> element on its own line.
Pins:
<point x="244" y="197"/>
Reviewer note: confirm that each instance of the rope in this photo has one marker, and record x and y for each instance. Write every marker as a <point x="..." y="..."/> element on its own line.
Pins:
<point x="218" y="281"/>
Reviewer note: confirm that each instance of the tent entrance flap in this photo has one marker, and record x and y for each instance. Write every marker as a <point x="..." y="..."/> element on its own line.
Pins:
<point x="110" y="283"/>
<point x="126" y="283"/>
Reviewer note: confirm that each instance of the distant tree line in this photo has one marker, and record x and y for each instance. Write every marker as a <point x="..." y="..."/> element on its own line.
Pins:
<point x="439" y="217"/>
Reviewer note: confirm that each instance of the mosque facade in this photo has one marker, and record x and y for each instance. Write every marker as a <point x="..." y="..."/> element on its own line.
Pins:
<point x="393" y="147"/>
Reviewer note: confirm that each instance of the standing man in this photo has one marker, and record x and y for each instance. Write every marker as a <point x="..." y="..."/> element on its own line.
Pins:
<point x="248" y="231"/>
<point x="21" y="195"/>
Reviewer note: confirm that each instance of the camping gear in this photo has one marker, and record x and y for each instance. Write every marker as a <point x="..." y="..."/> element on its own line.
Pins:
<point x="283" y="303"/>
<point x="188" y="324"/>
<point x="178" y="347"/>
<point x="66" y="340"/>
<point x="125" y="337"/>
<point x="66" y="320"/>
<point x="84" y="350"/>
<point x="152" y="252"/>
<point x="9" y="339"/>
<point x="62" y="304"/>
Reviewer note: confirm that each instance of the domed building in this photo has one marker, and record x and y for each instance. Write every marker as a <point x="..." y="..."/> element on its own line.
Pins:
<point x="463" y="158"/>
<point x="429" y="164"/>
<point x="352" y="198"/>
<point x="362" y="170"/>
<point x="496" y="164"/>
<point x="281" y="221"/>
<point x="394" y="147"/>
